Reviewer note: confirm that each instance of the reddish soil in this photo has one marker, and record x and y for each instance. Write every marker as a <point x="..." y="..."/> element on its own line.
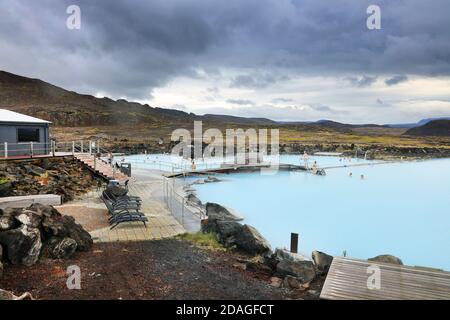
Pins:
<point x="90" y="218"/>
<point x="164" y="269"/>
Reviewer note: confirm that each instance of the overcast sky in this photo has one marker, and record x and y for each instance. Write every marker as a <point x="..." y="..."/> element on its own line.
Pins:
<point x="281" y="59"/>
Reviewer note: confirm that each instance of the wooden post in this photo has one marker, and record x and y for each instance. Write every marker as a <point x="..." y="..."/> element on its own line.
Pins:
<point x="294" y="242"/>
<point x="53" y="148"/>
<point x="81" y="146"/>
<point x="73" y="148"/>
<point x="90" y="147"/>
<point x="31" y="149"/>
<point x="6" y="149"/>
<point x="98" y="146"/>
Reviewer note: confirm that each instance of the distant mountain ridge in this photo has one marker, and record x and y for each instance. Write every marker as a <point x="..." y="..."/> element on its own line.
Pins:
<point x="432" y="128"/>
<point x="40" y="99"/>
<point x="67" y="108"/>
<point x="417" y="124"/>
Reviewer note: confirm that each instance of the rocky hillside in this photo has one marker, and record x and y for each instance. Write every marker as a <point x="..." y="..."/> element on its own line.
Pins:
<point x="67" y="108"/>
<point x="62" y="176"/>
<point x="439" y="128"/>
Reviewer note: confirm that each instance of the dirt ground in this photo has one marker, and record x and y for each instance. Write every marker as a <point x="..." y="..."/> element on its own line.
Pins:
<point x="163" y="269"/>
<point x="90" y="218"/>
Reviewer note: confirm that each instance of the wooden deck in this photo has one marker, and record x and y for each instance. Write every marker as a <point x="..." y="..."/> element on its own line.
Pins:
<point x="347" y="280"/>
<point x="36" y="156"/>
<point x="236" y="168"/>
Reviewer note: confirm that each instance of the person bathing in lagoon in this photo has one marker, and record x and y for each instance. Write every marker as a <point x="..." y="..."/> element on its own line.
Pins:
<point x="350" y="174"/>
<point x="315" y="167"/>
<point x="305" y="159"/>
<point x="193" y="165"/>
<point x="362" y="177"/>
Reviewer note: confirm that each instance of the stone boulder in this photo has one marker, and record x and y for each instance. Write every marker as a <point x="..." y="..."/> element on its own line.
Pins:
<point x="227" y="231"/>
<point x="34" y="170"/>
<point x="54" y="227"/>
<point x="212" y="179"/>
<point x="193" y="199"/>
<point x="231" y="233"/>
<point x="76" y="232"/>
<point x="282" y="254"/>
<point x="243" y="237"/>
<point x="216" y="212"/>
<point x="60" y="248"/>
<point x="7" y="220"/>
<point x="1" y="257"/>
<point x="251" y="241"/>
<point x="304" y="271"/>
<point x="6" y="188"/>
<point x="322" y="261"/>
<point x="29" y="218"/>
<point x="44" y="210"/>
<point x="387" y="258"/>
<point x="23" y="232"/>
<point x="22" y="244"/>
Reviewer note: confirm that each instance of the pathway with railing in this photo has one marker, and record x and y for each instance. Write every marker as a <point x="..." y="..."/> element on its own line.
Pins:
<point x="88" y="152"/>
<point x="188" y="214"/>
<point x="101" y="167"/>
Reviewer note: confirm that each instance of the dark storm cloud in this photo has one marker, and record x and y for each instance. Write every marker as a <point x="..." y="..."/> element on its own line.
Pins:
<point x="396" y="80"/>
<point x="127" y="48"/>
<point x="361" y="82"/>
<point x="240" y="101"/>
<point x="257" y="81"/>
<point x="321" y="108"/>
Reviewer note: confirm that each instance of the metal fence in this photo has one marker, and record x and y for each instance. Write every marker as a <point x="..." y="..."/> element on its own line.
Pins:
<point x="188" y="214"/>
<point x="52" y="148"/>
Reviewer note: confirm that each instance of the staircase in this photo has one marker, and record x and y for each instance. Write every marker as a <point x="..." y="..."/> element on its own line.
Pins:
<point x="100" y="167"/>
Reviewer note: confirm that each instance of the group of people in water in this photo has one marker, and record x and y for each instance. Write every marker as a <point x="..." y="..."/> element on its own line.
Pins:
<point x="351" y="175"/>
<point x="315" y="167"/>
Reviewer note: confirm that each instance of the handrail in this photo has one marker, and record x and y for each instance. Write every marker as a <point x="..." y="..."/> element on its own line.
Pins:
<point x="178" y="204"/>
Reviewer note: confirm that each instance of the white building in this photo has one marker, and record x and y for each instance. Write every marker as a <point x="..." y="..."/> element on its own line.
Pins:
<point x="22" y="135"/>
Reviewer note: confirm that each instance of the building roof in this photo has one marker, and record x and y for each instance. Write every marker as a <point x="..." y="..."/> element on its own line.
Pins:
<point x="15" y="117"/>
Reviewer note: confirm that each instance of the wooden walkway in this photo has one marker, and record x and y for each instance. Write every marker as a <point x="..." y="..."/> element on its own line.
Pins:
<point x="100" y="167"/>
<point x="237" y="168"/>
<point x="347" y="279"/>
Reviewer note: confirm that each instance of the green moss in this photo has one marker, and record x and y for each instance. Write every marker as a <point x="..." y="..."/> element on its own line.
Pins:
<point x="4" y="180"/>
<point x="204" y="240"/>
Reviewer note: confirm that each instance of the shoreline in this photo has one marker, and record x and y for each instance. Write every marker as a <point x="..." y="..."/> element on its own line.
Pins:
<point x="194" y="192"/>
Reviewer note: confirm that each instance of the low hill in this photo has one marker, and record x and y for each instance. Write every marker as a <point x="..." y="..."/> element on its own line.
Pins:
<point x="439" y="128"/>
<point x="417" y="124"/>
<point x="69" y="109"/>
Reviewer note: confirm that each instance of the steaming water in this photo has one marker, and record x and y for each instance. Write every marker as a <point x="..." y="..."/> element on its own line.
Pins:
<point x="398" y="208"/>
